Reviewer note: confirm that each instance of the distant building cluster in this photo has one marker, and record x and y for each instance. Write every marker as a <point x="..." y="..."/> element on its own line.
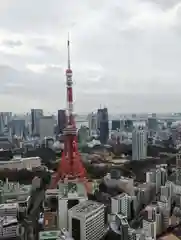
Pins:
<point x="138" y="130"/>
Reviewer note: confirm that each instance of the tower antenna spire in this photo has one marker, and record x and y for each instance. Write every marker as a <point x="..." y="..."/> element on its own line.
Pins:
<point x="68" y="48"/>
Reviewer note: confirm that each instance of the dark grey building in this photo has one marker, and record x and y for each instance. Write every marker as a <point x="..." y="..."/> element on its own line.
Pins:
<point x="61" y="120"/>
<point x="36" y="114"/>
<point x="152" y="124"/>
<point x="116" y="124"/>
<point x="18" y="127"/>
<point x="103" y="124"/>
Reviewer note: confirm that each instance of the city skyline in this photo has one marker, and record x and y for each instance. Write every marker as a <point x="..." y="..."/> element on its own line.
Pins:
<point x="125" y="55"/>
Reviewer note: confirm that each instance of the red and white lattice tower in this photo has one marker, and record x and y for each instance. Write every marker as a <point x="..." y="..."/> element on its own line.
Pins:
<point x="71" y="166"/>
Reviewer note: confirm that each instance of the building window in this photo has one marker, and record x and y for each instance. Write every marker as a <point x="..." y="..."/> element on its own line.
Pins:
<point x="75" y="229"/>
<point x="72" y="202"/>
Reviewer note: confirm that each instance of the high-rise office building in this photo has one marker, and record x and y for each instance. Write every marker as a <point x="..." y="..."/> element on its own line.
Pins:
<point x="103" y="124"/>
<point x="124" y="229"/>
<point x="123" y="204"/>
<point x="86" y="221"/>
<point x="83" y="134"/>
<point x="164" y="208"/>
<point x="128" y="125"/>
<point x="178" y="168"/>
<point x="152" y="124"/>
<point x="36" y="114"/>
<point x="139" y="144"/>
<point x="70" y="194"/>
<point x="92" y="123"/>
<point x="61" y="120"/>
<point x="150" y="228"/>
<point x="5" y="119"/>
<point x="116" y="124"/>
<point x="46" y="126"/>
<point x="18" y="127"/>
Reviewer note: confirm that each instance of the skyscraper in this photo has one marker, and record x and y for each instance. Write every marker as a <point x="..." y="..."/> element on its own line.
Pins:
<point x="116" y="124"/>
<point x="103" y="124"/>
<point x="139" y="144"/>
<point x="18" y="127"/>
<point x="46" y="126"/>
<point x="92" y="121"/>
<point x="5" y="119"/>
<point x="36" y="114"/>
<point x="61" y="120"/>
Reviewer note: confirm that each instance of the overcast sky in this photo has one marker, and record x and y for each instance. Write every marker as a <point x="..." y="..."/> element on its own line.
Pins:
<point x="125" y="55"/>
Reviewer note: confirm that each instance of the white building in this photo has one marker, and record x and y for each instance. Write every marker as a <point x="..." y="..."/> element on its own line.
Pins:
<point x="46" y="125"/>
<point x="86" y="221"/>
<point x="8" y="209"/>
<point x="123" y="183"/>
<point x="164" y="208"/>
<point x="151" y="211"/>
<point x="21" y="163"/>
<point x="68" y="199"/>
<point x="151" y="177"/>
<point x="121" y="204"/>
<point x="158" y="223"/>
<point x="139" y="144"/>
<point x="165" y="192"/>
<point x="158" y="180"/>
<point x="8" y="226"/>
<point x="92" y="123"/>
<point x="150" y="228"/>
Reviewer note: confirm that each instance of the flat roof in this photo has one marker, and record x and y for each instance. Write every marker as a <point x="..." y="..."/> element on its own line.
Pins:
<point x="8" y="205"/>
<point x="74" y="188"/>
<point x="85" y="208"/>
<point x="49" y="235"/>
<point x="117" y="197"/>
<point x="15" y="188"/>
<point x="19" y="160"/>
<point x="5" y="221"/>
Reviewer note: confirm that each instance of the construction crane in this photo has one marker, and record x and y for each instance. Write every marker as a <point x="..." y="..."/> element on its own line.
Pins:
<point x="28" y="217"/>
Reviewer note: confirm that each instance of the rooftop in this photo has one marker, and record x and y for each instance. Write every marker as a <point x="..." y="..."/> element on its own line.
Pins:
<point x="68" y="190"/>
<point x="118" y="197"/>
<point x="145" y="185"/>
<point x="5" y="221"/>
<point x="49" y="235"/>
<point x="8" y="205"/>
<point x="86" y="207"/>
<point x="19" y="159"/>
<point x="15" y="188"/>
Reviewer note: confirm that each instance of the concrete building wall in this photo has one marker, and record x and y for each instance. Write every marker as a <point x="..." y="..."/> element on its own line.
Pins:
<point x="139" y="144"/>
<point x="46" y="127"/>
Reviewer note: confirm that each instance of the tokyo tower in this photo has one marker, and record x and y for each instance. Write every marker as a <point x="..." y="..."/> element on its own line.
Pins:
<point x="70" y="167"/>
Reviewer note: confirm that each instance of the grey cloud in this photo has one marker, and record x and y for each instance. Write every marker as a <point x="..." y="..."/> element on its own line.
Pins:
<point x="165" y="4"/>
<point x="46" y="49"/>
<point x="33" y="16"/>
<point x="125" y="54"/>
<point x="12" y="43"/>
<point x="49" y="90"/>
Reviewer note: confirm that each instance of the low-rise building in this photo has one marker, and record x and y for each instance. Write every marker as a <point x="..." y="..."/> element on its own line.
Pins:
<point x="21" y="163"/>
